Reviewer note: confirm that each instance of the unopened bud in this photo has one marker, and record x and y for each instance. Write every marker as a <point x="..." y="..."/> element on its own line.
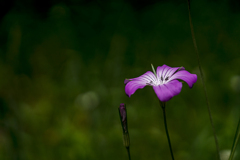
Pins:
<point x="123" y="117"/>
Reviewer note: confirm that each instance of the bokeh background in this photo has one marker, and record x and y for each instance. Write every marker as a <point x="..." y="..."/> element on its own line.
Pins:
<point x="63" y="63"/>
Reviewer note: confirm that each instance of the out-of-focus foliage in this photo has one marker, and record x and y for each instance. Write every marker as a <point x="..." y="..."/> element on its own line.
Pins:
<point x="62" y="67"/>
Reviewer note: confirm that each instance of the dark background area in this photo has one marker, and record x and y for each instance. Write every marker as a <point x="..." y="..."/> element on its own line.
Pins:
<point x="63" y="63"/>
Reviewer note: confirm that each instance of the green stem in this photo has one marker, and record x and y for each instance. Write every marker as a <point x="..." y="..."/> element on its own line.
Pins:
<point x="202" y="79"/>
<point x="128" y="150"/>
<point x="166" y="129"/>
<point x="235" y="142"/>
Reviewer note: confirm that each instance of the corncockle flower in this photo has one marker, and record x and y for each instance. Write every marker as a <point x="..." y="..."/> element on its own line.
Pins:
<point x="165" y="82"/>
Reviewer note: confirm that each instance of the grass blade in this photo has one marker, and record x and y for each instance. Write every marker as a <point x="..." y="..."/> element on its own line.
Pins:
<point x="202" y="79"/>
<point x="235" y="141"/>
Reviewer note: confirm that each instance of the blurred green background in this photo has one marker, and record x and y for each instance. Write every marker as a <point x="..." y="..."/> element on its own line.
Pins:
<point x="63" y="63"/>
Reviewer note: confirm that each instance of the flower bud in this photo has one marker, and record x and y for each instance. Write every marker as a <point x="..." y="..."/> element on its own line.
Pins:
<point x="123" y="117"/>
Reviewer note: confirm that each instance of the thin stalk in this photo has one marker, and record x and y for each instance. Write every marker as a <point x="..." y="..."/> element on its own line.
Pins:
<point x="166" y="128"/>
<point x="202" y="79"/>
<point x="128" y="151"/>
<point x="235" y="142"/>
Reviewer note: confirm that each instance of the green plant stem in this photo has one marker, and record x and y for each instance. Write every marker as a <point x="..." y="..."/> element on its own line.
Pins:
<point x="202" y="79"/>
<point x="166" y="129"/>
<point x="235" y="141"/>
<point x="128" y="151"/>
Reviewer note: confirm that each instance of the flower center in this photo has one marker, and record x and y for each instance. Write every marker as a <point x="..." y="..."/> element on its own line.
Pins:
<point x="158" y="81"/>
<point x="162" y="80"/>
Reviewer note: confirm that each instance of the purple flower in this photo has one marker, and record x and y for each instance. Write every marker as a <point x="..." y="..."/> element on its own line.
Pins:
<point x="165" y="82"/>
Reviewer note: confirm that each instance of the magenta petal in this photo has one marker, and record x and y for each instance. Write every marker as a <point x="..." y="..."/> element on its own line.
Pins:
<point x="184" y="75"/>
<point x="126" y="81"/>
<point x="140" y="82"/>
<point x="166" y="71"/>
<point x="166" y="91"/>
<point x="161" y="70"/>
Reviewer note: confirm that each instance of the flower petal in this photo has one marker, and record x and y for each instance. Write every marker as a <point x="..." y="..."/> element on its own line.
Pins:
<point x="166" y="71"/>
<point x="161" y="70"/>
<point x="173" y="70"/>
<point x="166" y="91"/>
<point x="184" y="75"/>
<point x="126" y="81"/>
<point x="140" y="82"/>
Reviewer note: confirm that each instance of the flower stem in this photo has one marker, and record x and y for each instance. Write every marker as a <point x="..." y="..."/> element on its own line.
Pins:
<point x="166" y="129"/>
<point x="128" y="151"/>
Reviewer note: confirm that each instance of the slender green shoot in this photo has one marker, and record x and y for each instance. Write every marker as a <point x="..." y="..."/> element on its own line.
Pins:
<point x="235" y="141"/>
<point x="202" y="79"/>
<point x="154" y="70"/>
